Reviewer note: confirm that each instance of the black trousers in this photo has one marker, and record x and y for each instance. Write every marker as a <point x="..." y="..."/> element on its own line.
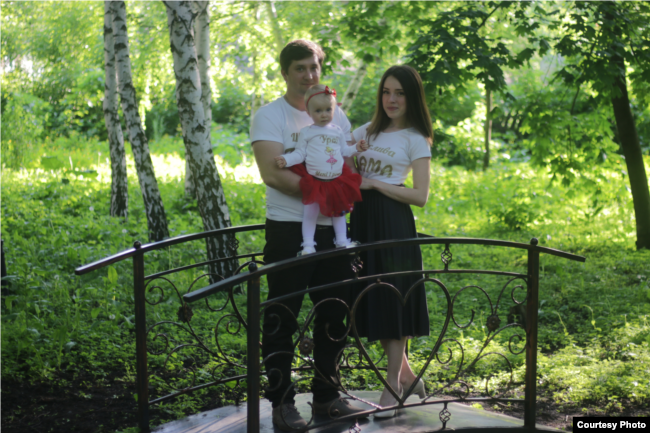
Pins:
<point x="283" y="241"/>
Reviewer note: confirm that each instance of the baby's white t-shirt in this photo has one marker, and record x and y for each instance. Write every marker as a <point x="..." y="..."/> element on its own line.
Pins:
<point x="322" y="149"/>
<point x="280" y="122"/>
<point x="390" y="156"/>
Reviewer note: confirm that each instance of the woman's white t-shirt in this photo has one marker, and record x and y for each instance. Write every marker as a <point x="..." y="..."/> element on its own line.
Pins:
<point x="390" y="156"/>
<point x="280" y="122"/>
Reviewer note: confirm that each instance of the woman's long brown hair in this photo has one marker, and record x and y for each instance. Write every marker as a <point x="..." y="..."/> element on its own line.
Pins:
<point x="417" y="113"/>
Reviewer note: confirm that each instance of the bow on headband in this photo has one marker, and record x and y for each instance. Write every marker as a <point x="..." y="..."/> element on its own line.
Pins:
<point x="327" y="91"/>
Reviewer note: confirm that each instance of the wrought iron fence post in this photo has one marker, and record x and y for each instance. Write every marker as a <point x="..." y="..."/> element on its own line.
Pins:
<point x="142" y="376"/>
<point x="532" y="300"/>
<point x="253" y="352"/>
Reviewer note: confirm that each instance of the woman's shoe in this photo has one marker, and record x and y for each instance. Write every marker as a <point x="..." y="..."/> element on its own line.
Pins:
<point x="388" y="413"/>
<point x="418" y="389"/>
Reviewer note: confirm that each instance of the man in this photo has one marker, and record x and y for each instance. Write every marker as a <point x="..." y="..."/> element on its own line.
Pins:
<point x="274" y="131"/>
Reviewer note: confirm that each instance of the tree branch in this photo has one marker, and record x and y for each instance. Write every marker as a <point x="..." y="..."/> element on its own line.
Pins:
<point x="489" y="15"/>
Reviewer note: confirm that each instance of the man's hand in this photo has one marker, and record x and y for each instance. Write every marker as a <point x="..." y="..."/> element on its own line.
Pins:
<point x="362" y="145"/>
<point x="280" y="161"/>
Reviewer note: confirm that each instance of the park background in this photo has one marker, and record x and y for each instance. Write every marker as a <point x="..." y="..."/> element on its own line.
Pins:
<point x="537" y="81"/>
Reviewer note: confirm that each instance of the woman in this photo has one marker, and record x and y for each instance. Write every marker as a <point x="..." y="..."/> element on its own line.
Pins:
<point x="400" y="137"/>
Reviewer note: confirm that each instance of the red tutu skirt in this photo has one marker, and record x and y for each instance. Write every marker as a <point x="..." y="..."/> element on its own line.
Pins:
<point x="335" y="197"/>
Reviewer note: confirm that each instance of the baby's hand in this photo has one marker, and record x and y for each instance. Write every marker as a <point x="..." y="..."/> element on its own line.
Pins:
<point x="280" y="161"/>
<point x="362" y="146"/>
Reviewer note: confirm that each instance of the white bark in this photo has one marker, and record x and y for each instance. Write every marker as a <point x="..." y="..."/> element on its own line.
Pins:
<point x="353" y="89"/>
<point x="488" y="128"/>
<point x="156" y="219"/>
<point x="119" y="183"/>
<point x="275" y="26"/>
<point x="257" y="100"/>
<point x="202" y="37"/>
<point x="196" y="136"/>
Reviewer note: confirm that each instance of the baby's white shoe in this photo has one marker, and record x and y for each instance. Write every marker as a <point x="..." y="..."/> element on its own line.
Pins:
<point x="307" y="249"/>
<point x="347" y="243"/>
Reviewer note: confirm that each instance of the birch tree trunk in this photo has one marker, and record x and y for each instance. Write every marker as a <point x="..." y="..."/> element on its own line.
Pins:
<point x="156" y="219"/>
<point x="202" y="37"/>
<point x="256" y="100"/>
<point x="353" y="88"/>
<point x="488" y="128"/>
<point x="277" y="32"/>
<point x="119" y="183"/>
<point x="196" y="136"/>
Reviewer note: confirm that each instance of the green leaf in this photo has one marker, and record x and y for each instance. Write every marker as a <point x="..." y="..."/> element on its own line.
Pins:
<point x="8" y="302"/>
<point x="51" y="163"/>
<point x="112" y="275"/>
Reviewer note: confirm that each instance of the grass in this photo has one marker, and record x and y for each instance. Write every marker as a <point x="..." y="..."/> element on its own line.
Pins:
<point x="594" y="333"/>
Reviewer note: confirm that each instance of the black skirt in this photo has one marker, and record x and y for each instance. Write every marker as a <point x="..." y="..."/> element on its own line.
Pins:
<point x="380" y="314"/>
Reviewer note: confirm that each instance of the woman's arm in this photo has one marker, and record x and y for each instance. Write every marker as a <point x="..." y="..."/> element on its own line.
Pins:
<point x="418" y="195"/>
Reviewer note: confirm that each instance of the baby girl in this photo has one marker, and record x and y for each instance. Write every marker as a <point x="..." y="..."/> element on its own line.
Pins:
<point x="328" y="185"/>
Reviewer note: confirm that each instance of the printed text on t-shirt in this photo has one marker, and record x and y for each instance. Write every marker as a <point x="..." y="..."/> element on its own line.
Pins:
<point x="372" y="166"/>
<point x="329" y="140"/>
<point x="384" y="150"/>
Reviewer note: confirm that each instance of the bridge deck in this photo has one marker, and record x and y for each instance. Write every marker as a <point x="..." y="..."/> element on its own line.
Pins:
<point x="232" y="419"/>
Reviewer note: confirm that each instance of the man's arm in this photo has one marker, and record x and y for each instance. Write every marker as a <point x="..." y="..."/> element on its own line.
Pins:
<point x="283" y="180"/>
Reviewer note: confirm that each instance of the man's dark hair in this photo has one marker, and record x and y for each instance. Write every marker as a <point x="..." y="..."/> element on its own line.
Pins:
<point x="298" y="50"/>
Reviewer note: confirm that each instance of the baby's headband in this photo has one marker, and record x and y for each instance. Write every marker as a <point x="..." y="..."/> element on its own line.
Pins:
<point x="327" y="91"/>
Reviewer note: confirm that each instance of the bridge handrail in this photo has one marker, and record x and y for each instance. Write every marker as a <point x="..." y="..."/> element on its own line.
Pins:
<point x="297" y="261"/>
<point x="153" y="246"/>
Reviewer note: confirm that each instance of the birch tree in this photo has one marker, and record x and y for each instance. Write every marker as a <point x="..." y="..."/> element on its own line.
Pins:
<point x="196" y="134"/>
<point x="488" y="128"/>
<point x="202" y="33"/>
<point x="275" y="26"/>
<point x="156" y="219"/>
<point x="354" y="86"/>
<point x="256" y="100"/>
<point x="119" y="183"/>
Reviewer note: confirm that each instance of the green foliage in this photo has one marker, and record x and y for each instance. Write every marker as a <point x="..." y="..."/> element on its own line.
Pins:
<point x="593" y="317"/>
<point x="556" y="175"/>
<point x="451" y="50"/>
<point x="23" y="119"/>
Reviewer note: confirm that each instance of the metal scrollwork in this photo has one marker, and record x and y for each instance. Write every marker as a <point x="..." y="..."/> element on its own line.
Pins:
<point x="356" y="264"/>
<point x="446" y="256"/>
<point x="444" y="416"/>
<point x="306" y="346"/>
<point x="185" y="313"/>
<point x="451" y="367"/>
<point x="233" y="245"/>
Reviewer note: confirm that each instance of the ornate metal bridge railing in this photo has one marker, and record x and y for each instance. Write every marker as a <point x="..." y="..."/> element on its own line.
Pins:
<point x="209" y="363"/>
<point x="160" y="327"/>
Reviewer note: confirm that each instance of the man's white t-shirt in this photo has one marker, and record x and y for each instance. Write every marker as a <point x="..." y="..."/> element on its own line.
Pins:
<point x="280" y="122"/>
<point x="390" y="156"/>
<point x="322" y="149"/>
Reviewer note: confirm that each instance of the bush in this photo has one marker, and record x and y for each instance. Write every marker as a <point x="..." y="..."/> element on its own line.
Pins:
<point x="23" y="120"/>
